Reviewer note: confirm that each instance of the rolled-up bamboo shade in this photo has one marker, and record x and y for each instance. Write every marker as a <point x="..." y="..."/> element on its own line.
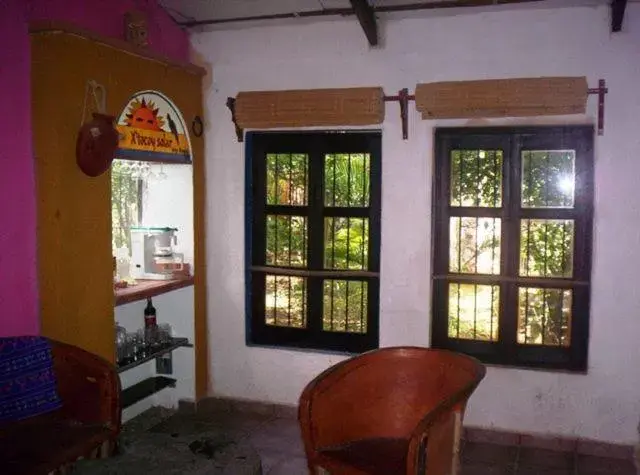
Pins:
<point x="314" y="107"/>
<point x="502" y="98"/>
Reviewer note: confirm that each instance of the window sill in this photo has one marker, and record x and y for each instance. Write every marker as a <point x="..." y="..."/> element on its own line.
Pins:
<point x="149" y="288"/>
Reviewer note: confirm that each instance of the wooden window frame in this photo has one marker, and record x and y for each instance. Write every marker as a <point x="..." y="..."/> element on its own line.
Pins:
<point x="315" y="144"/>
<point x="513" y="140"/>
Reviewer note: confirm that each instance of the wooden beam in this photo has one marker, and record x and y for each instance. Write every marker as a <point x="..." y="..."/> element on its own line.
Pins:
<point x="367" y="18"/>
<point x="617" y="14"/>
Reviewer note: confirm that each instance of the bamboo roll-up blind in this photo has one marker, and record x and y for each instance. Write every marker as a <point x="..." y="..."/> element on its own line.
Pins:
<point x="314" y="107"/>
<point x="502" y="98"/>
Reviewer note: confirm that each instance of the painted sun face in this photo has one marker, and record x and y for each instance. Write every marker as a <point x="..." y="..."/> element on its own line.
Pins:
<point x="143" y="115"/>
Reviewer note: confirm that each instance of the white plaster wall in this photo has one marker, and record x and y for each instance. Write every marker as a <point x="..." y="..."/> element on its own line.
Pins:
<point x="169" y="202"/>
<point x="605" y="403"/>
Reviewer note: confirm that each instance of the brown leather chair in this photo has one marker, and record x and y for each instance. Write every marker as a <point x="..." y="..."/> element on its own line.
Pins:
<point x="87" y="425"/>
<point x="391" y="411"/>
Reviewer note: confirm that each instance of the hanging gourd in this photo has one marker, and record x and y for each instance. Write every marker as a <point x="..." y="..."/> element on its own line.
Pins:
<point x="97" y="139"/>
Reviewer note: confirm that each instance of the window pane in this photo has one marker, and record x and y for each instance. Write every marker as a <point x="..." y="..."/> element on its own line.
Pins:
<point x="474" y="245"/>
<point x="546" y="247"/>
<point x="544" y="316"/>
<point x="548" y="178"/>
<point x="286" y="241"/>
<point x="345" y="306"/>
<point x="476" y="178"/>
<point x="473" y="311"/>
<point x="346" y="243"/>
<point x="126" y="186"/>
<point x="286" y="301"/>
<point x="346" y="179"/>
<point x="287" y="179"/>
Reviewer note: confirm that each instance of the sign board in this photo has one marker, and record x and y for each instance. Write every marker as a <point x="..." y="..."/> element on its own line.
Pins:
<point x="152" y="129"/>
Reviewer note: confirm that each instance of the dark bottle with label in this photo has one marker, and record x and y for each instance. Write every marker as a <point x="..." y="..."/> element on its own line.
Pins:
<point x="150" y="314"/>
<point x="150" y="325"/>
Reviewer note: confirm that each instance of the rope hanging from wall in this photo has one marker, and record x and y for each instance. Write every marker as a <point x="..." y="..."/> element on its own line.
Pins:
<point x="522" y="97"/>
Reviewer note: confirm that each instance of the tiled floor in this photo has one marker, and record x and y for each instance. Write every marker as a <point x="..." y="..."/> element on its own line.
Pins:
<point x="278" y="441"/>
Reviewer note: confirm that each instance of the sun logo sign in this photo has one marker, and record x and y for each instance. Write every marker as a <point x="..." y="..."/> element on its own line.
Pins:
<point x="152" y="128"/>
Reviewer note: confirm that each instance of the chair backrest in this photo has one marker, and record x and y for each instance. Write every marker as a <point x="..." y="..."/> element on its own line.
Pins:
<point x="385" y="393"/>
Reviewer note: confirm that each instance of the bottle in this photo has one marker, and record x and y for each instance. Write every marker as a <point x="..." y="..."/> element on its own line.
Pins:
<point x="150" y="324"/>
<point x="150" y="314"/>
<point x="123" y="263"/>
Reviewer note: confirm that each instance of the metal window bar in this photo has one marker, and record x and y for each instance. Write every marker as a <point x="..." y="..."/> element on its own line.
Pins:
<point x="545" y="316"/>
<point x="458" y="310"/>
<point x="475" y="238"/>
<point x="475" y="311"/>
<point x="563" y="255"/>
<point x="479" y="186"/>
<point x="546" y="248"/>
<point x="526" y="266"/>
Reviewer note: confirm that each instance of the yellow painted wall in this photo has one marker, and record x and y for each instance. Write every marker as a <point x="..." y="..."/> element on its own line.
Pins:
<point x="74" y="210"/>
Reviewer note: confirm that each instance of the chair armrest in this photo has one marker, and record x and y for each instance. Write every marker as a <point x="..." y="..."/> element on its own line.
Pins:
<point x="434" y="446"/>
<point x="88" y="385"/>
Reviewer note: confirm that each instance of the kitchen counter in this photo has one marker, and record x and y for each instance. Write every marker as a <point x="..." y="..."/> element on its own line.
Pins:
<point x="149" y="288"/>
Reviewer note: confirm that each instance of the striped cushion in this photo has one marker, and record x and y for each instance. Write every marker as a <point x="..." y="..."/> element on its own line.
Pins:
<point x="27" y="379"/>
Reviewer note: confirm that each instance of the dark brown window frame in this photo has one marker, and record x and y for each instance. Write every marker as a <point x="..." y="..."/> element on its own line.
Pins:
<point x="315" y="144"/>
<point x="513" y="140"/>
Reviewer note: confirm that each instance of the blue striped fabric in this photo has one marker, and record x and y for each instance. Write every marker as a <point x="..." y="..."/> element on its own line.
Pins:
<point x="27" y="379"/>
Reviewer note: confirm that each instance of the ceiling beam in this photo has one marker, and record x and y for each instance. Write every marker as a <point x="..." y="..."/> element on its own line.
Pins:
<point x="442" y="4"/>
<point x="367" y="18"/>
<point x="617" y="14"/>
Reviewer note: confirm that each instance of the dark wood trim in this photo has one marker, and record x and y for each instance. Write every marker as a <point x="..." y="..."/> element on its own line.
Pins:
<point x="489" y="279"/>
<point x="367" y="19"/>
<point x="335" y="274"/>
<point x="149" y="288"/>
<point x="315" y="145"/>
<point x="56" y="26"/>
<point x="618" y="8"/>
<point x="513" y="141"/>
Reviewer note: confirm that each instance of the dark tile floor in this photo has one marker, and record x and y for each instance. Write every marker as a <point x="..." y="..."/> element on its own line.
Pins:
<point x="489" y="459"/>
<point x="277" y="440"/>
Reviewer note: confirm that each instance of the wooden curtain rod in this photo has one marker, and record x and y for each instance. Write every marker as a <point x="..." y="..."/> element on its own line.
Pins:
<point x="403" y="97"/>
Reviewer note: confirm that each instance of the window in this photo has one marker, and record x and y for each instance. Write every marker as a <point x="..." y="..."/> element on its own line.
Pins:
<point x="313" y="240"/>
<point x="512" y="224"/>
<point x="126" y="200"/>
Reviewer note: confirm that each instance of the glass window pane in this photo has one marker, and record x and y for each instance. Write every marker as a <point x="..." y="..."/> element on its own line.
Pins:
<point x="286" y="241"/>
<point x="286" y="301"/>
<point x="346" y="243"/>
<point x="546" y="247"/>
<point x="473" y="311"/>
<point x="476" y="178"/>
<point x="474" y="245"/>
<point x="544" y="316"/>
<point x="127" y="178"/>
<point x="346" y="179"/>
<point x="345" y="306"/>
<point x="548" y="178"/>
<point x="287" y="179"/>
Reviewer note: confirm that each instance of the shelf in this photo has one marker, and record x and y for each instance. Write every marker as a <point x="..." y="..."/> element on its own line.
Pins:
<point x="175" y="343"/>
<point x="144" y="389"/>
<point x="149" y="288"/>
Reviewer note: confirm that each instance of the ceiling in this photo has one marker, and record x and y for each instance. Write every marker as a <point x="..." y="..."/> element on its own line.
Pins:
<point x="187" y="11"/>
<point x="218" y="13"/>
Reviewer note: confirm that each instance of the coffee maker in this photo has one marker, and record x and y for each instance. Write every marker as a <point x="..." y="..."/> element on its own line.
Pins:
<point x="153" y="255"/>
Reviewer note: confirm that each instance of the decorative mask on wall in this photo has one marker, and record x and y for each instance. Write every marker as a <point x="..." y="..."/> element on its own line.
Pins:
<point x="135" y="29"/>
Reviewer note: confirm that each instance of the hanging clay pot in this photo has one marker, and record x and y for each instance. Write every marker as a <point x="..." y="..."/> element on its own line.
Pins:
<point x="96" y="145"/>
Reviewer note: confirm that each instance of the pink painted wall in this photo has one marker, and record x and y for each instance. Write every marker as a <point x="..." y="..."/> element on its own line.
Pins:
<point x="18" y="277"/>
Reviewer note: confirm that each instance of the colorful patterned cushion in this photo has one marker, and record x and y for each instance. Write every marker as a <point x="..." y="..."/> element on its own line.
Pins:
<point x="27" y="379"/>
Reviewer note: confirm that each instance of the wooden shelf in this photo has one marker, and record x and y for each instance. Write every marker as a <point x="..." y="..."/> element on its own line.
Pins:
<point x="144" y="389"/>
<point x="175" y="343"/>
<point x="149" y="288"/>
